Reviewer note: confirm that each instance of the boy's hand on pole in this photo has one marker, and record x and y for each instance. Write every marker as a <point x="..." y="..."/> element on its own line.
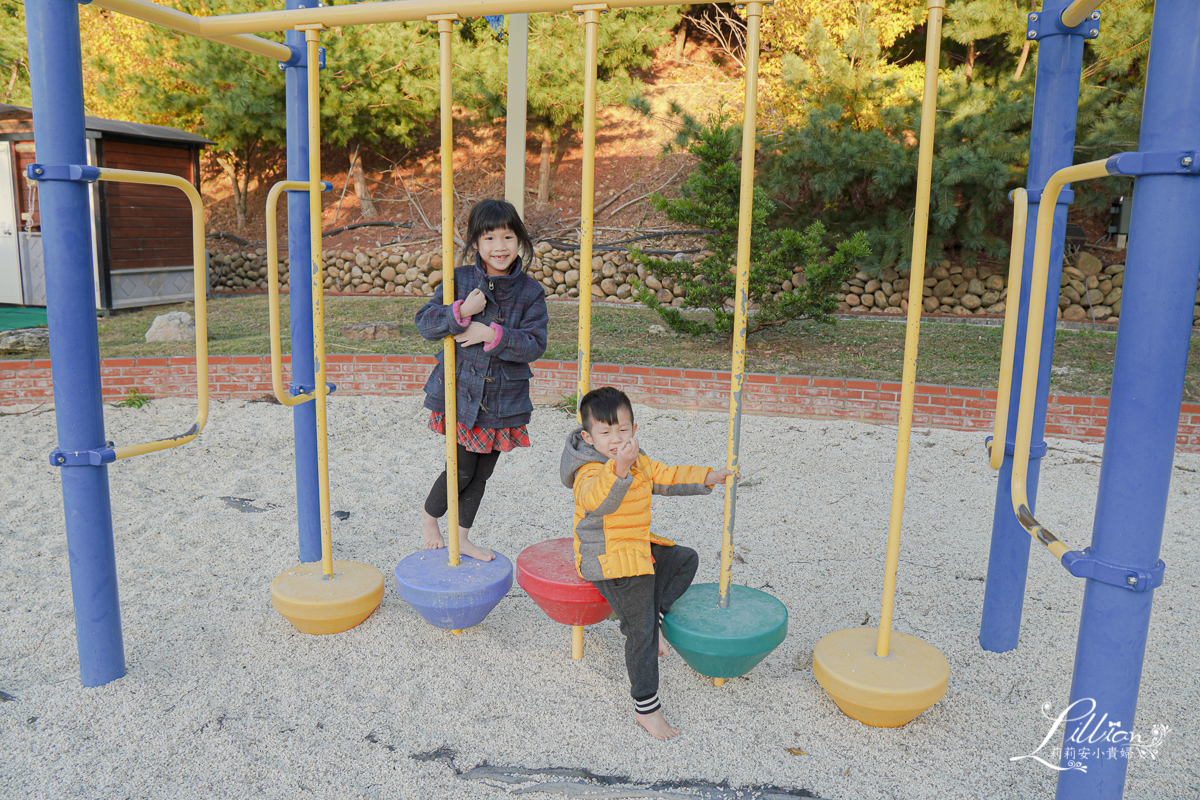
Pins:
<point x="716" y="476"/>
<point x="626" y="455"/>
<point x="476" y="333"/>
<point x="475" y="302"/>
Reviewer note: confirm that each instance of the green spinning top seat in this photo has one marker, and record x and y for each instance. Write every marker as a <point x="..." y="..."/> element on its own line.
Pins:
<point x="725" y="642"/>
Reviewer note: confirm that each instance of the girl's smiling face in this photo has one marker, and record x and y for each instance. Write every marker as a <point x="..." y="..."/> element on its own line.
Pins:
<point x="497" y="250"/>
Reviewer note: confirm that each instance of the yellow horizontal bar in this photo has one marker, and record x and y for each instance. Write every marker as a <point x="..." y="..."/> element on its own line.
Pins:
<point x="199" y="288"/>
<point x="357" y="14"/>
<point x="186" y="23"/>
<point x="1016" y="261"/>
<point x="273" y="294"/>
<point x="1033" y="347"/>
<point x="1077" y="13"/>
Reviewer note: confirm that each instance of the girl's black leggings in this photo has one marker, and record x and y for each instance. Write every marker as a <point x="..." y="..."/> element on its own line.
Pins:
<point x="474" y="469"/>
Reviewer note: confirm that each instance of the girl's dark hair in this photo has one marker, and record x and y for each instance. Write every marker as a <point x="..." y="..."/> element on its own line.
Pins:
<point x="602" y="405"/>
<point x="489" y="215"/>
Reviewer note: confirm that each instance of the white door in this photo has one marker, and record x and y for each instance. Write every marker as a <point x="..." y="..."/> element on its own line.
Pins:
<point x="10" y="256"/>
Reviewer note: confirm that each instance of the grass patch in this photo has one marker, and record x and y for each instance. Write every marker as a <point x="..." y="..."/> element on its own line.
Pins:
<point x="961" y="355"/>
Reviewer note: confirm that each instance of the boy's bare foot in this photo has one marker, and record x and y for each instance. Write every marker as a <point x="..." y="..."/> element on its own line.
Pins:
<point x="662" y="645"/>
<point x="431" y="537"/>
<point x="656" y="725"/>
<point x="474" y="551"/>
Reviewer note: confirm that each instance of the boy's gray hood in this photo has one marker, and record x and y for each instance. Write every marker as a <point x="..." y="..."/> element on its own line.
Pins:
<point x="575" y="454"/>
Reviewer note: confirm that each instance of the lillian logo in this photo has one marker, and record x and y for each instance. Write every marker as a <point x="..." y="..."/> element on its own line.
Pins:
<point x="1093" y="741"/>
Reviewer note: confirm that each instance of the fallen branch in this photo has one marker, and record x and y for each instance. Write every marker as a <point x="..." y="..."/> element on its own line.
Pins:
<point x="647" y="194"/>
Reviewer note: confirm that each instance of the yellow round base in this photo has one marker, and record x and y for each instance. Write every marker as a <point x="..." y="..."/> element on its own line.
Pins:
<point x="881" y="692"/>
<point x="316" y="605"/>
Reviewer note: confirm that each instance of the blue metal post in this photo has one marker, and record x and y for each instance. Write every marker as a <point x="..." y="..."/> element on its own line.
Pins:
<point x="1148" y="375"/>
<point x="304" y="419"/>
<point x="56" y="80"/>
<point x="1051" y="147"/>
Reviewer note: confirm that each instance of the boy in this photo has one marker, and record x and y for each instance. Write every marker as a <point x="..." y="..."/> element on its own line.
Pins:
<point x="640" y="575"/>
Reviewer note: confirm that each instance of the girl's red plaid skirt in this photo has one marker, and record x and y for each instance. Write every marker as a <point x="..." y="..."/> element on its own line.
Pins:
<point x="482" y="440"/>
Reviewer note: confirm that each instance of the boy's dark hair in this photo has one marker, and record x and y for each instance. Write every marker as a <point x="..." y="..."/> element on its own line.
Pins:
<point x="602" y="405"/>
<point x="490" y="215"/>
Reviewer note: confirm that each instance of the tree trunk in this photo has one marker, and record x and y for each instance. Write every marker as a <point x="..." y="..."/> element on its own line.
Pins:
<point x="544" y="167"/>
<point x="970" y="61"/>
<point x="1021" y="61"/>
<point x="230" y="167"/>
<point x="12" y="81"/>
<point x="366" y="205"/>
<point x="681" y="39"/>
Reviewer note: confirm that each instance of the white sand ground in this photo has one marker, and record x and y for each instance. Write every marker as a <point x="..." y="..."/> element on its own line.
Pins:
<point x="223" y="698"/>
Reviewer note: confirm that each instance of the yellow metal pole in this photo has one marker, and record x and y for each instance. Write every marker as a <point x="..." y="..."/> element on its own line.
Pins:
<point x="576" y="642"/>
<point x="916" y="280"/>
<point x="591" y="38"/>
<point x="339" y="15"/>
<point x="737" y="369"/>
<point x="1076" y="13"/>
<point x="1016" y="259"/>
<point x="445" y="23"/>
<point x="186" y="23"/>
<point x="312" y="39"/>
<point x="273" y="294"/>
<point x="1033" y="347"/>
<point x="199" y="290"/>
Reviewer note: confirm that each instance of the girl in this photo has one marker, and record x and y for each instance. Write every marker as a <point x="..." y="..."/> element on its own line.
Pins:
<point x="499" y="323"/>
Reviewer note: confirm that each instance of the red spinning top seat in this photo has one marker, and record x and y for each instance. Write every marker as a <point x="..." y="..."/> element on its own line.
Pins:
<point x="546" y="571"/>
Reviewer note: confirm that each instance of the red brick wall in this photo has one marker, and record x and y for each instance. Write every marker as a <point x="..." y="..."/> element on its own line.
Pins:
<point x="249" y="377"/>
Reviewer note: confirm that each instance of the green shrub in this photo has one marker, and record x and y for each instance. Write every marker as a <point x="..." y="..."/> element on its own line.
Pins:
<point x="793" y="273"/>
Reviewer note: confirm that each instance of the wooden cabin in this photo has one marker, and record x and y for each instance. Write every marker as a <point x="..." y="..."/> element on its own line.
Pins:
<point x="141" y="235"/>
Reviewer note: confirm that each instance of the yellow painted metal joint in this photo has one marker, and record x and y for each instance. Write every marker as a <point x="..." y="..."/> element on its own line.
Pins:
<point x="1077" y="13"/>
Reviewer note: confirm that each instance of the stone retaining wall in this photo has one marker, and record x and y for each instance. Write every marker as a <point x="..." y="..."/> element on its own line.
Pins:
<point x="395" y="271"/>
<point x="249" y="378"/>
<point x="1089" y="291"/>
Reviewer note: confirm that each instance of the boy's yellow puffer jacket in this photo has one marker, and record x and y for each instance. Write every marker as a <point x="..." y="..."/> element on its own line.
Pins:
<point x="612" y="515"/>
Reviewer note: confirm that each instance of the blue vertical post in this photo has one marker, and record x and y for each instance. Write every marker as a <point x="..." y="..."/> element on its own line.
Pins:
<point x="1148" y="375"/>
<point x="1051" y="147"/>
<point x="304" y="416"/>
<point x="55" y="74"/>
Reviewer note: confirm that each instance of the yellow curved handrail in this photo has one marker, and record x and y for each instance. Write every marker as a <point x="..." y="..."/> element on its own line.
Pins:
<point x="1016" y="259"/>
<point x="1033" y="348"/>
<point x="273" y="294"/>
<point x="199" y="288"/>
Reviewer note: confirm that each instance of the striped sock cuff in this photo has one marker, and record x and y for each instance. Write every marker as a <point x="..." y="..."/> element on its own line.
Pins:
<point x="647" y="705"/>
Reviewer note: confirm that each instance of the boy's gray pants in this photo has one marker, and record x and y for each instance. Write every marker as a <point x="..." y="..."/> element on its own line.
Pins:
<point x="640" y="603"/>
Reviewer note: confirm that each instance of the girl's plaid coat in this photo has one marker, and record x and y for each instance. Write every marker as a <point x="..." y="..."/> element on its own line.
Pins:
<point x="493" y="379"/>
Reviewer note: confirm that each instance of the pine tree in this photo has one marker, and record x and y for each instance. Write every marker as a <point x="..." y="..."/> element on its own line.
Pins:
<point x="792" y="273"/>
<point x="850" y="162"/>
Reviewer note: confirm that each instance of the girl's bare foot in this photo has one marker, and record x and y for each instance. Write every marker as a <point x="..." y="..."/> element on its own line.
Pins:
<point x="431" y="537"/>
<point x="656" y="725"/>
<point x="474" y="551"/>
<point x="662" y="645"/>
